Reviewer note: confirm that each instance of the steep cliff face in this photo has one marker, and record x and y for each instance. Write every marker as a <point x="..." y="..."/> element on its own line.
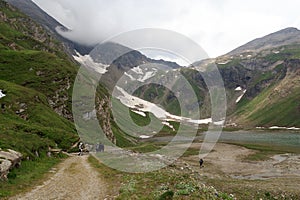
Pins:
<point x="104" y="114"/>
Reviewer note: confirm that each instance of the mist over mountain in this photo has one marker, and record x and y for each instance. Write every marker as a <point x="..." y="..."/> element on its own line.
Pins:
<point x="29" y="8"/>
<point x="118" y="103"/>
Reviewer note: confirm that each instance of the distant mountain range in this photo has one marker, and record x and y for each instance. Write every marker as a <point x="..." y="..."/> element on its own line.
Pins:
<point x="261" y="78"/>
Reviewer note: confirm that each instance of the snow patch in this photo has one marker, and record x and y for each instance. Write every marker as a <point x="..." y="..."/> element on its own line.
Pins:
<point x="144" y="136"/>
<point x="200" y="121"/>
<point x="260" y="127"/>
<point x="219" y="123"/>
<point x="137" y="74"/>
<point x="140" y="104"/>
<point x="137" y="70"/>
<point x="224" y="63"/>
<point x="129" y="75"/>
<point x="277" y="127"/>
<point x="87" y="60"/>
<point x="240" y="97"/>
<point x="147" y="76"/>
<point x="2" y="94"/>
<point x="239" y="88"/>
<point x="139" y="113"/>
<point x="282" y="127"/>
<point x="169" y="125"/>
<point x="293" y="128"/>
<point x="145" y="106"/>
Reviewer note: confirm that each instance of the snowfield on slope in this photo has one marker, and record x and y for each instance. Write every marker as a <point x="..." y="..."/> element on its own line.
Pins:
<point x="145" y="106"/>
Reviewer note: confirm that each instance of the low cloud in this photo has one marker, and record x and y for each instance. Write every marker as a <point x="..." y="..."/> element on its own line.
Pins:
<point x="218" y="26"/>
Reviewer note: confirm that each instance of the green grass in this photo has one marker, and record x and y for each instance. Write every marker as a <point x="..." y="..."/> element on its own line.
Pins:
<point x="283" y="112"/>
<point x="248" y="190"/>
<point x="161" y="95"/>
<point x="32" y="74"/>
<point x="155" y="185"/>
<point x="145" y="147"/>
<point x="141" y="123"/>
<point x="37" y="124"/>
<point x="264" y="152"/>
<point x="30" y="173"/>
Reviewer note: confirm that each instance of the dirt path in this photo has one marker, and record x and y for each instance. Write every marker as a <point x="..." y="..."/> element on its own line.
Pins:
<point x="73" y="179"/>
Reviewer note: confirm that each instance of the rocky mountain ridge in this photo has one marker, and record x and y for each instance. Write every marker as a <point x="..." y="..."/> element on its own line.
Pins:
<point x="29" y="8"/>
<point x="266" y="76"/>
<point x="284" y="37"/>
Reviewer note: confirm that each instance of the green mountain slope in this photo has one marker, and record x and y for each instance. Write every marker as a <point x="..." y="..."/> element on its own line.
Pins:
<point x="279" y="104"/>
<point x="36" y="77"/>
<point x="262" y="87"/>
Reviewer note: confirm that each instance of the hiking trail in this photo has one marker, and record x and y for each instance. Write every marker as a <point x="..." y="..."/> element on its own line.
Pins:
<point x="74" y="178"/>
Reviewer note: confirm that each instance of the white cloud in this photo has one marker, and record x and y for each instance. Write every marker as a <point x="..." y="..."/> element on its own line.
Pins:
<point x="218" y="26"/>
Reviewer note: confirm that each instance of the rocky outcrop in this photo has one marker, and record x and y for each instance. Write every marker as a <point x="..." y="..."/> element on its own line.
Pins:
<point x="59" y="101"/>
<point x="8" y="160"/>
<point x="53" y="27"/>
<point x="41" y="40"/>
<point x="30" y="29"/>
<point x="104" y="114"/>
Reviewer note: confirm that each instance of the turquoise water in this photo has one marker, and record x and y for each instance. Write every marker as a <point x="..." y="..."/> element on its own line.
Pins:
<point x="276" y="138"/>
<point x="284" y="138"/>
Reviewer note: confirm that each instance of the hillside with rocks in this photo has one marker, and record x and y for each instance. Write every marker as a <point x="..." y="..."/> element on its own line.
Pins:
<point x="30" y="9"/>
<point x="36" y="83"/>
<point x="262" y="86"/>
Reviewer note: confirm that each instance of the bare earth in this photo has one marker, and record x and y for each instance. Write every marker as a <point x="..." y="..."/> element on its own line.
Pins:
<point x="229" y="160"/>
<point x="74" y="178"/>
<point x="280" y="171"/>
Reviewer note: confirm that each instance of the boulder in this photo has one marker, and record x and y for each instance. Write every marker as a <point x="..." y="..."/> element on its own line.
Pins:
<point x="8" y="160"/>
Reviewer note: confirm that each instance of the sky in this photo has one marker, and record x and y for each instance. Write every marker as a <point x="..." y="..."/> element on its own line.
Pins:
<point x="218" y="26"/>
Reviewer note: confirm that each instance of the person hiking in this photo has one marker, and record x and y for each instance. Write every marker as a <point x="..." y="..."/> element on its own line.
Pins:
<point x="201" y="162"/>
<point x="80" y="146"/>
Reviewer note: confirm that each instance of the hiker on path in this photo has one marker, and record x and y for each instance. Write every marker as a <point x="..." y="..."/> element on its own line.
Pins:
<point x="201" y="162"/>
<point x="80" y="146"/>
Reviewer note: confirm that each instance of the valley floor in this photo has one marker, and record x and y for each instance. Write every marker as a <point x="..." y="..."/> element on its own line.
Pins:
<point x="231" y="160"/>
<point x="227" y="168"/>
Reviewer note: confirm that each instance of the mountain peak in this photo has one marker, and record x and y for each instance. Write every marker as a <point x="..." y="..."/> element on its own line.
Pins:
<point x="289" y="30"/>
<point x="287" y="36"/>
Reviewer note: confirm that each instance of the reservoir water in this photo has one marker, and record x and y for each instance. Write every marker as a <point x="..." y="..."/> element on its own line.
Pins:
<point x="276" y="138"/>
